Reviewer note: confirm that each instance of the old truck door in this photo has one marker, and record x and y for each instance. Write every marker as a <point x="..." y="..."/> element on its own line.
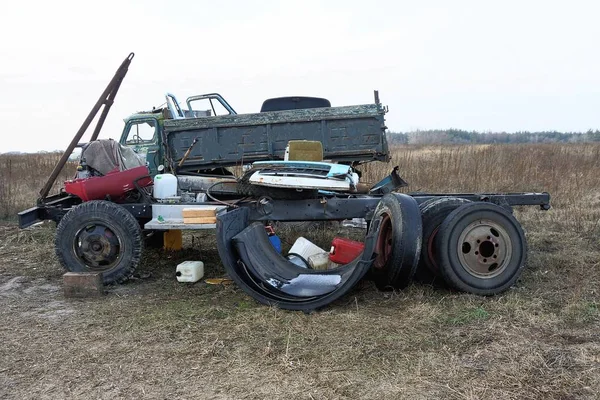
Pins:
<point x="142" y="134"/>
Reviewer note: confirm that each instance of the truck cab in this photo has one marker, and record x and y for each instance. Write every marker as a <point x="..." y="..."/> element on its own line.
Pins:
<point x="143" y="131"/>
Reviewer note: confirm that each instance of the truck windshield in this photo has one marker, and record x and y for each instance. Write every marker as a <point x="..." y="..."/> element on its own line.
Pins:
<point x="141" y="132"/>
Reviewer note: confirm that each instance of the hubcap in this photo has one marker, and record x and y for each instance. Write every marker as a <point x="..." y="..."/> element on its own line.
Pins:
<point x="97" y="247"/>
<point x="484" y="249"/>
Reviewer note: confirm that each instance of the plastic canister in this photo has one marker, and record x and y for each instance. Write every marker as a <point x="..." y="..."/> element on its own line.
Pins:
<point x="344" y="250"/>
<point x="190" y="271"/>
<point x="299" y="261"/>
<point x="165" y="186"/>
<point x="305" y="248"/>
<point x="319" y="261"/>
<point x="273" y="238"/>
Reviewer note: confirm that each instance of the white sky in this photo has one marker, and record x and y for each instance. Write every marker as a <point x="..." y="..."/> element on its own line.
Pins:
<point x="483" y="65"/>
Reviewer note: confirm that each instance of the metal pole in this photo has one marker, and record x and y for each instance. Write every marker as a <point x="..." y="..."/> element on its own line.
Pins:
<point x="105" y="99"/>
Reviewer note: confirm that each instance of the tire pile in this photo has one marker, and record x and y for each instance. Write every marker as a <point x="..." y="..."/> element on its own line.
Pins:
<point x="476" y="247"/>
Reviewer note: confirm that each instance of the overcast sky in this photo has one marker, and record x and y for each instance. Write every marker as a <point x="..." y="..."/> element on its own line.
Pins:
<point x="483" y="65"/>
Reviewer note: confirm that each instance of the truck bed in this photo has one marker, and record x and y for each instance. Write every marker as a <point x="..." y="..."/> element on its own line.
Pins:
<point x="352" y="133"/>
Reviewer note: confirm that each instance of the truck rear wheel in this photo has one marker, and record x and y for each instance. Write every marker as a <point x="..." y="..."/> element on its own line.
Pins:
<point x="398" y="245"/>
<point x="433" y="213"/>
<point x="99" y="236"/>
<point x="481" y="249"/>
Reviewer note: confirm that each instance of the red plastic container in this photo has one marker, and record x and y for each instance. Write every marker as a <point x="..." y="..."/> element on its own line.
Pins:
<point x="114" y="184"/>
<point x="345" y="250"/>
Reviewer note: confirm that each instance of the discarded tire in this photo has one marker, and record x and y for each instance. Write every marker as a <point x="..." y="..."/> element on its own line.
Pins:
<point x="99" y="236"/>
<point x="398" y="244"/>
<point x="433" y="213"/>
<point x="262" y="273"/>
<point x="481" y="248"/>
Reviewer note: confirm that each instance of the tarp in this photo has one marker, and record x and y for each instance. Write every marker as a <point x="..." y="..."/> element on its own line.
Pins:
<point x="105" y="155"/>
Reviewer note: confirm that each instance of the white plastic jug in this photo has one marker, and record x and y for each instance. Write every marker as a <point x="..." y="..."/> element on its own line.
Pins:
<point x="319" y="261"/>
<point x="190" y="271"/>
<point x="165" y="186"/>
<point x="305" y="248"/>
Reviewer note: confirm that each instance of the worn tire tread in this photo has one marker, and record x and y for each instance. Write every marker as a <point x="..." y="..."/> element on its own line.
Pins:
<point x="103" y="211"/>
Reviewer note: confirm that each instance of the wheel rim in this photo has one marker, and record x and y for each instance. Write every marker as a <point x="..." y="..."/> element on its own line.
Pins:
<point x="484" y="249"/>
<point x="383" y="246"/>
<point x="97" y="246"/>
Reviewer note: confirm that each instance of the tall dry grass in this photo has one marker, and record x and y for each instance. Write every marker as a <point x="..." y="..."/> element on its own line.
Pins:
<point x="23" y="175"/>
<point x="570" y="172"/>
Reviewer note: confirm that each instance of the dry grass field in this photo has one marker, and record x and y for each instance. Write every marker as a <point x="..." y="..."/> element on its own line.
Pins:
<point x="156" y="338"/>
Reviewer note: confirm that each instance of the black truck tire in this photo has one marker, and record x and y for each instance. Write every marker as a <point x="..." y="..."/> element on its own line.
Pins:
<point x="433" y="213"/>
<point x="398" y="246"/>
<point x="481" y="249"/>
<point x="99" y="236"/>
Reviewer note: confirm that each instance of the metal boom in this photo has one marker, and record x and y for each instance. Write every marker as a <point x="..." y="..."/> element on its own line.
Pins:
<point x="107" y="98"/>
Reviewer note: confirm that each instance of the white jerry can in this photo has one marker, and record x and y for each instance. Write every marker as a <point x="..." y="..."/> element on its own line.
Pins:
<point x="190" y="271"/>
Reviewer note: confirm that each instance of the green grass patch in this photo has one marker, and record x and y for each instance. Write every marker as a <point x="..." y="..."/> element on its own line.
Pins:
<point x="468" y="316"/>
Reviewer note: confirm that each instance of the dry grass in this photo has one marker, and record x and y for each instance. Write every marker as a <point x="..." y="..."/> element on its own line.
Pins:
<point x="23" y="175"/>
<point x="156" y="338"/>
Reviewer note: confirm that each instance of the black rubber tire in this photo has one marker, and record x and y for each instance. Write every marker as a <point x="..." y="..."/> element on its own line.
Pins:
<point x="123" y="227"/>
<point x="256" y="191"/>
<point x="399" y="216"/>
<point x="433" y="213"/>
<point x="455" y="273"/>
<point x="234" y="221"/>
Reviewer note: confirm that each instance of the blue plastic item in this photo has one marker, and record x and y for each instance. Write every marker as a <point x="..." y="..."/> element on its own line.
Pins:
<point x="276" y="242"/>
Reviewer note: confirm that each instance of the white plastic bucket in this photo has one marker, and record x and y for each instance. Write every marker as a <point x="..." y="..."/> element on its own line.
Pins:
<point x="305" y="248"/>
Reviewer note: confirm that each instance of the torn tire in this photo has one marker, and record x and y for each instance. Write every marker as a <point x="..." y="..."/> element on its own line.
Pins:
<point x="230" y="223"/>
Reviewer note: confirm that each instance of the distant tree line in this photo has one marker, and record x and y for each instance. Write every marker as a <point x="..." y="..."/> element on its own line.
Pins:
<point x="459" y="136"/>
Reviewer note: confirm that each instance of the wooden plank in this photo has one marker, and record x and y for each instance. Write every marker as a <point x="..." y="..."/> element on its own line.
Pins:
<point x="198" y="212"/>
<point x="173" y="240"/>
<point x="200" y="220"/>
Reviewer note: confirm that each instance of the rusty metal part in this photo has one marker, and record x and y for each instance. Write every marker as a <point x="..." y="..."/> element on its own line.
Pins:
<point x="98" y="247"/>
<point x="485" y="248"/>
<point x="106" y="99"/>
<point x="383" y="246"/>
